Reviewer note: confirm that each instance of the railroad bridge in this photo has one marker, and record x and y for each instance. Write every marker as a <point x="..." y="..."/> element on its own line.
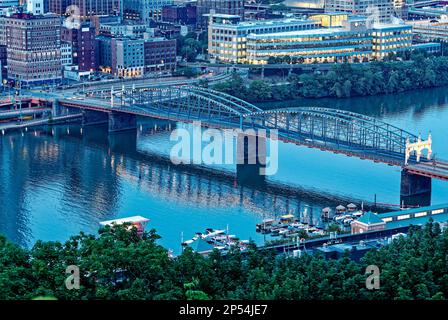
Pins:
<point x="333" y="130"/>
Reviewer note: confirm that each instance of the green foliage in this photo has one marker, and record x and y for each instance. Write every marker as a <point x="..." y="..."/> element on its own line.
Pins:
<point x="345" y="80"/>
<point x="119" y="264"/>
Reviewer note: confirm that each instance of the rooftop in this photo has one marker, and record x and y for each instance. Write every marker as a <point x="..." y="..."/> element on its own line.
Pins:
<point x="415" y="210"/>
<point x="311" y="32"/>
<point x="390" y="26"/>
<point x="370" y="218"/>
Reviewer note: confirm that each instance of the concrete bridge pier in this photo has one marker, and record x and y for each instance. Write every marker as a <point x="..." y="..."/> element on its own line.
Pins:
<point x="90" y="117"/>
<point x="415" y="190"/>
<point x="119" y="121"/>
<point x="251" y="159"/>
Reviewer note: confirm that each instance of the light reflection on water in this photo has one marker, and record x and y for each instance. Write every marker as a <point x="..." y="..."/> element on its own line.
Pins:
<point x="57" y="182"/>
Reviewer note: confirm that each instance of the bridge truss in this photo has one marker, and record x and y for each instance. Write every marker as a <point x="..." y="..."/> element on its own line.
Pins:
<point x="324" y="128"/>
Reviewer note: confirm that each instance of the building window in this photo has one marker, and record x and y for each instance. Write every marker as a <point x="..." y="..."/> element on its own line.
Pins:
<point x="403" y="216"/>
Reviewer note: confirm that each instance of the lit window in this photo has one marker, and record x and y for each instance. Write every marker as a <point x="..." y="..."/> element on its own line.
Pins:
<point x="403" y="216"/>
<point x="420" y="214"/>
<point x="437" y="211"/>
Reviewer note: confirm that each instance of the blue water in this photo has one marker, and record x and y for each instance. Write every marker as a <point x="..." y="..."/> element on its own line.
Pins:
<point x="56" y="182"/>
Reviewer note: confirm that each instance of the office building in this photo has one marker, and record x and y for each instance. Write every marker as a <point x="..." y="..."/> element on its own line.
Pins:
<point x="86" y="8"/>
<point x="127" y="57"/>
<point x="351" y="43"/>
<point x="33" y="47"/>
<point x="84" y="48"/>
<point x="228" y="34"/>
<point x="183" y="14"/>
<point x="144" y="10"/>
<point x="229" y="7"/>
<point x="66" y="54"/>
<point x="427" y="30"/>
<point x="377" y="10"/>
<point x="390" y="38"/>
<point x="160" y="55"/>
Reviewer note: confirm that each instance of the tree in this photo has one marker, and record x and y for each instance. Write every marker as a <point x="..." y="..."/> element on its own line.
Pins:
<point x="260" y="91"/>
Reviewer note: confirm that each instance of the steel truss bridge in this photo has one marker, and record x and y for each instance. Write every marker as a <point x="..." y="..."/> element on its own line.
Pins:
<point x="327" y="129"/>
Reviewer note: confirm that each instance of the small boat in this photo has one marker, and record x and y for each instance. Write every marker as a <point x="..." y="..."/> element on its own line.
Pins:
<point x="287" y="218"/>
<point x="340" y="218"/>
<point x="357" y="214"/>
<point x="138" y="222"/>
<point x="211" y="233"/>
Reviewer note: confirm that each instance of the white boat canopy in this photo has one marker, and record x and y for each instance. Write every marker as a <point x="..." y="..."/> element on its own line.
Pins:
<point x="132" y="220"/>
<point x="340" y="207"/>
<point x="351" y="206"/>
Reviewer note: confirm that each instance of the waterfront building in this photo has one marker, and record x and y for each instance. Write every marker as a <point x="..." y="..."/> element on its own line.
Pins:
<point x="427" y="30"/>
<point x="132" y="57"/>
<point x="33" y="47"/>
<point x="353" y="42"/>
<point x="127" y="57"/>
<point x="378" y="10"/>
<point x="144" y="10"/>
<point x="428" y="47"/>
<point x="228" y="34"/>
<point x="84" y="47"/>
<point x="228" y="7"/>
<point x="390" y="38"/>
<point x="160" y="55"/>
<point x="368" y="222"/>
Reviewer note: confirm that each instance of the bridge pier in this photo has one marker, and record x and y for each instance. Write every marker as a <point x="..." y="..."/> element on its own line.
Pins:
<point x="251" y="158"/>
<point x="119" y="121"/>
<point x="90" y="117"/>
<point x="415" y="190"/>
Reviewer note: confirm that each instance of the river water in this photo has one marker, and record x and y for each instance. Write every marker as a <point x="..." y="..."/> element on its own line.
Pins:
<point x="58" y="181"/>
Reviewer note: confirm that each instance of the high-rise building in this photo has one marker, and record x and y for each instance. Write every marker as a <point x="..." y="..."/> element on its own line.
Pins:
<point x="377" y="10"/>
<point x="230" y="7"/>
<point x="33" y="47"/>
<point x="144" y="10"/>
<point x="86" y="8"/>
<point x="84" y="46"/>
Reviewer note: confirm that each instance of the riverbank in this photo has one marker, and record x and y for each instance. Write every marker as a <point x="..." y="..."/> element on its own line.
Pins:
<point x="146" y="271"/>
<point x="344" y="81"/>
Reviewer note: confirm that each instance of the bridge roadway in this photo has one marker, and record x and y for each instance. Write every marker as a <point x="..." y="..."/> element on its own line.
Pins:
<point x="433" y="169"/>
<point x="326" y="129"/>
<point x="23" y="112"/>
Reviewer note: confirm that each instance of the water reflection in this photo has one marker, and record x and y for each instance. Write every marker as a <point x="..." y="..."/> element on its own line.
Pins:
<point x="58" y="181"/>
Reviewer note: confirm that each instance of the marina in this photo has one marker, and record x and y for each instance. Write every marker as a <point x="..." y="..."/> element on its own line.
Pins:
<point x="204" y="243"/>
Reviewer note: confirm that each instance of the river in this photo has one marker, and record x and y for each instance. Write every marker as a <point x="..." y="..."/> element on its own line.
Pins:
<point x="58" y="181"/>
